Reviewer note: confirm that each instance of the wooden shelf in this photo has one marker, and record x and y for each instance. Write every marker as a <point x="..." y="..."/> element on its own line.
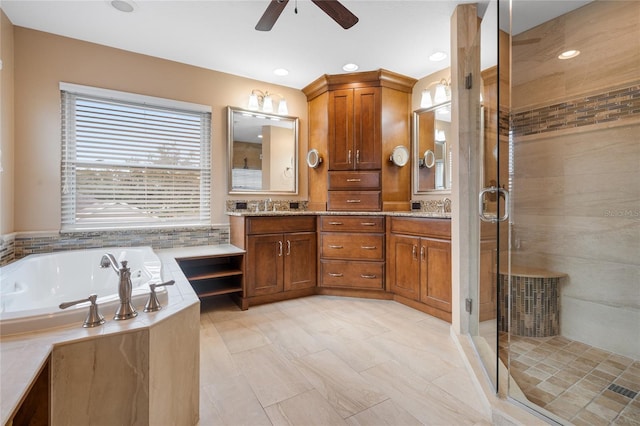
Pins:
<point x="215" y="275"/>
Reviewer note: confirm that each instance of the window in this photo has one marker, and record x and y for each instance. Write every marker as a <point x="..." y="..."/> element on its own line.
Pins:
<point x="131" y="160"/>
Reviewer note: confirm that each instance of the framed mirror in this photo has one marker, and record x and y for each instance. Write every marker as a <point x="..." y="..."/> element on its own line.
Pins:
<point x="432" y="149"/>
<point x="263" y="152"/>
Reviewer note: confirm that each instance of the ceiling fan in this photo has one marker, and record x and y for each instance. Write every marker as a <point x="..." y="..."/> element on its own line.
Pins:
<point x="333" y="8"/>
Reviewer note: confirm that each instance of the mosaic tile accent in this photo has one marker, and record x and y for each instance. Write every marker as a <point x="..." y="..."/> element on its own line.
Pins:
<point x="535" y="306"/>
<point x="613" y="105"/>
<point x="156" y="238"/>
<point x="7" y="249"/>
<point x="271" y="205"/>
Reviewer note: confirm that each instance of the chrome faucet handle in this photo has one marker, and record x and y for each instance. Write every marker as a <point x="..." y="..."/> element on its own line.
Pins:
<point x="153" y="304"/>
<point x="94" y="318"/>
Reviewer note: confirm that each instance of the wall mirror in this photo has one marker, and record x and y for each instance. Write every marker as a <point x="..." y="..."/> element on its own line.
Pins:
<point x="432" y="149"/>
<point x="263" y="152"/>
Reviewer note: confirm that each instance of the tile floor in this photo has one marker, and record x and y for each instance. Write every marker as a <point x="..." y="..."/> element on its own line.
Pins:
<point x="571" y="379"/>
<point x="324" y="360"/>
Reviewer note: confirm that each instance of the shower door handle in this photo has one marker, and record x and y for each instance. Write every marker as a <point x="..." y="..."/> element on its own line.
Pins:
<point x="482" y="213"/>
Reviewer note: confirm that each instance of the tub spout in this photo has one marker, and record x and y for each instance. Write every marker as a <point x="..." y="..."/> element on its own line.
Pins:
<point x="125" y="309"/>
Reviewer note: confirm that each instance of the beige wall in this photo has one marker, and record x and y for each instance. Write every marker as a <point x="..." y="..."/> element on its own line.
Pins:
<point x="43" y="60"/>
<point x="6" y="125"/>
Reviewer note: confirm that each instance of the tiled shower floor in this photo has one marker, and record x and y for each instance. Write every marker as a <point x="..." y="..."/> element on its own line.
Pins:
<point x="572" y="379"/>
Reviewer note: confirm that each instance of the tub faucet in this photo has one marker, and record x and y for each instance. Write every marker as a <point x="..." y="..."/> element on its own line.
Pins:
<point x="125" y="309"/>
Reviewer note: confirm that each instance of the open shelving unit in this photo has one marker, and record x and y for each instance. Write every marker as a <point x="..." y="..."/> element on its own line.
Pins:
<point x="214" y="275"/>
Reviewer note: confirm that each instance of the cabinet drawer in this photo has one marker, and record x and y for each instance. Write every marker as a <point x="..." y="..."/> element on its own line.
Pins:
<point x="425" y="227"/>
<point x="354" y="180"/>
<point x="352" y="246"/>
<point x="336" y="273"/>
<point x="275" y="225"/>
<point x="354" y="201"/>
<point x="352" y="223"/>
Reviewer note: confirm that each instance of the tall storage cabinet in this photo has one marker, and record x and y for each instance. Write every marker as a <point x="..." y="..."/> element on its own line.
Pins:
<point x="355" y="121"/>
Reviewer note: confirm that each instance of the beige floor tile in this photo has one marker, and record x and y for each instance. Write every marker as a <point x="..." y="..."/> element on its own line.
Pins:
<point x="215" y="360"/>
<point x="272" y="376"/>
<point x="308" y="408"/>
<point x="209" y="414"/>
<point x="424" y="401"/>
<point x="345" y="390"/>
<point x="457" y="383"/>
<point x="284" y="332"/>
<point x="385" y="413"/>
<point x="238" y="337"/>
<point x="235" y="402"/>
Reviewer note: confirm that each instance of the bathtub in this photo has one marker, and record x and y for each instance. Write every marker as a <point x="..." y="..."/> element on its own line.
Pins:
<point x="32" y="288"/>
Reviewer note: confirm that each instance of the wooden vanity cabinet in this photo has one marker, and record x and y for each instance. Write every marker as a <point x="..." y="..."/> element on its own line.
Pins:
<point x="281" y="256"/>
<point x="352" y="252"/>
<point x="419" y="263"/>
<point x="354" y="129"/>
<point x="355" y="121"/>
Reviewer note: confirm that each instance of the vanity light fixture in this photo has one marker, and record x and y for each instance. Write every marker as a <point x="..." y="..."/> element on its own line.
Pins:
<point x="259" y="100"/>
<point x="442" y="93"/>
<point x="350" y="67"/>
<point x="568" y="54"/>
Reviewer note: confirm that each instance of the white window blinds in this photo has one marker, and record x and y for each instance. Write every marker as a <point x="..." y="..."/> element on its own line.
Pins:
<point x="129" y="164"/>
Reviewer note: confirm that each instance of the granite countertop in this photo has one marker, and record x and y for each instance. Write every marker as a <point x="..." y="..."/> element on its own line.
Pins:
<point x="446" y="215"/>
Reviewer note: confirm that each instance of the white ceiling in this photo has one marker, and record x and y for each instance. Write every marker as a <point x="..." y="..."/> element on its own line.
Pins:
<point x="397" y="35"/>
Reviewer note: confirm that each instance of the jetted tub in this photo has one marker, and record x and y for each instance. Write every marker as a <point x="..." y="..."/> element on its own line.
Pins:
<point x="32" y="288"/>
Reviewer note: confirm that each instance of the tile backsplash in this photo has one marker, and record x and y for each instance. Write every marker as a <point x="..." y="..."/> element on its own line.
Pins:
<point x="19" y="245"/>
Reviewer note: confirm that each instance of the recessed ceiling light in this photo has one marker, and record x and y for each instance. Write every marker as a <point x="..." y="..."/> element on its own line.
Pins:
<point x="569" y="54"/>
<point x="350" y="67"/>
<point x="437" y="56"/>
<point x="123" y="5"/>
<point x="281" y="71"/>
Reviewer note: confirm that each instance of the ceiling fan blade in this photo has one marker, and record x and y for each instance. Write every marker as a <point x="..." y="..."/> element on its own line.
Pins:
<point x="337" y="12"/>
<point x="270" y="16"/>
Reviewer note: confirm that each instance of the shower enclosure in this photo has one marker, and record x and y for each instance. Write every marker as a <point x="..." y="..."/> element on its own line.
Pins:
<point x="558" y="291"/>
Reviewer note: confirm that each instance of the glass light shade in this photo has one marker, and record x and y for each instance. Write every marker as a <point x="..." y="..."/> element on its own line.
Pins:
<point x="267" y="104"/>
<point x="425" y="100"/>
<point x="253" y="102"/>
<point x="441" y="94"/>
<point x="282" y="107"/>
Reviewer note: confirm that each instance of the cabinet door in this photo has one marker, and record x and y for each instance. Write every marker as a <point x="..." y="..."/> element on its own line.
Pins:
<point x="435" y="273"/>
<point x="404" y="266"/>
<point x="265" y="265"/>
<point x="366" y="128"/>
<point x="300" y="260"/>
<point x="341" y="155"/>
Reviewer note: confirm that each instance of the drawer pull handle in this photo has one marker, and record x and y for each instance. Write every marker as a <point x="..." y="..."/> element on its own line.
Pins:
<point x="353" y="180"/>
<point x="288" y="248"/>
<point x="336" y="223"/>
<point x="422" y="253"/>
<point x="357" y="156"/>
<point x="414" y="252"/>
<point x="335" y="247"/>
<point x="332" y="274"/>
<point x="368" y="224"/>
<point x="349" y="157"/>
<point x="353" y="201"/>
<point x="279" y="248"/>
<point x="369" y="277"/>
<point x="368" y="247"/>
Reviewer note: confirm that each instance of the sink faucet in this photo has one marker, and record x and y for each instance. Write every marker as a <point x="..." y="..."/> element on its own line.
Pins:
<point x="125" y="309"/>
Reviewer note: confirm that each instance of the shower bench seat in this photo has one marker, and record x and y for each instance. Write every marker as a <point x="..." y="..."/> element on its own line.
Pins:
<point x="535" y="301"/>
